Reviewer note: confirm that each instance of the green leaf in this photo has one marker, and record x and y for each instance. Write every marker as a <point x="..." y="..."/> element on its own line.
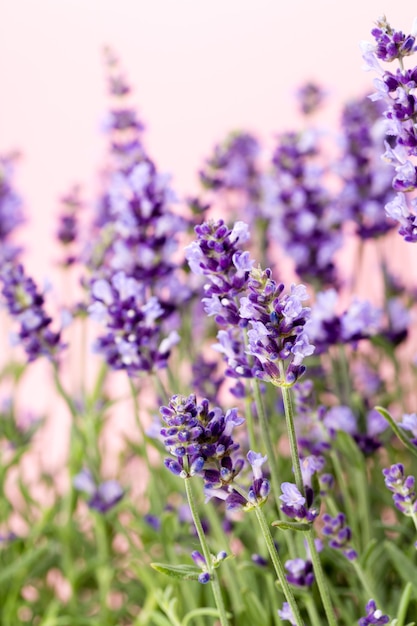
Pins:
<point x="199" y="612"/>
<point x="397" y="430"/>
<point x="181" y="572"/>
<point x="406" y="570"/>
<point x="403" y="606"/>
<point x="283" y="525"/>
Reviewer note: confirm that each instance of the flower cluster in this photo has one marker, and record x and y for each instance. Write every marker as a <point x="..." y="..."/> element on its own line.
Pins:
<point x="339" y="534"/>
<point x="136" y="229"/>
<point x="397" y="91"/>
<point x="306" y="223"/>
<point x="102" y="497"/>
<point x="367" y="180"/>
<point x="135" y="340"/>
<point x="277" y="323"/>
<point x="402" y="487"/>
<point x="26" y="305"/>
<point x="326" y="327"/>
<point x="200" y="440"/>
<point x="217" y="254"/>
<point x="200" y="561"/>
<point x="310" y="97"/>
<point x="299" y="572"/>
<point x="67" y="231"/>
<point x="233" y="166"/>
<point x="296" y="505"/>
<point x="11" y="208"/>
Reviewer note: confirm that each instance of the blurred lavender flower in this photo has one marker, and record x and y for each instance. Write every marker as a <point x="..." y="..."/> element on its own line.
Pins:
<point x="286" y="613"/>
<point x="326" y="327"/>
<point x="67" y="231"/>
<point x="373" y="615"/>
<point x="233" y="166"/>
<point x="137" y="339"/>
<point x="299" y="572"/>
<point x="26" y="305"/>
<point x="339" y="534"/>
<point x="136" y="230"/>
<point x="277" y="328"/>
<point x="404" y="495"/>
<point x="367" y="179"/>
<point x="102" y="497"/>
<point x="306" y="223"/>
<point x="310" y="97"/>
<point x="11" y="208"/>
<point x="409" y="422"/>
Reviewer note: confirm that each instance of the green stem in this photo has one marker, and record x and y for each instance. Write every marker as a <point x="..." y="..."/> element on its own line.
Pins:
<point x="278" y="567"/>
<point x="61" y="390"/>
<point x="214" y="580"/>
<point x="315" y="558"/>
<point x="231" y="571"/>
<point x="273" y="466"/>
<point x="320" y="579"/>
<point x="266" y="439"/>
<point x="315" y="618"/>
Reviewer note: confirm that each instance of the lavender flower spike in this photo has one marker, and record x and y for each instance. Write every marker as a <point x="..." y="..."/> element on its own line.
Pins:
<point x="277" y="328"/>
<point x="404" y="494"/>
<point x="26" y="305"/>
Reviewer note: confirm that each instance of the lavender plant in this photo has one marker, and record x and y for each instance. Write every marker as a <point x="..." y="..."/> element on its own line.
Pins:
<point x="266" y="473"/>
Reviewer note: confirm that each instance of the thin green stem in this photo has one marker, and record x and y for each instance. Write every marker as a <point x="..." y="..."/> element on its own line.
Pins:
<point x="273" y="466"/>
<point x="315" y="558"/>
<point x="278" y="567"/>
<point x="320" y="579"/>
<point x="214" y="580"/>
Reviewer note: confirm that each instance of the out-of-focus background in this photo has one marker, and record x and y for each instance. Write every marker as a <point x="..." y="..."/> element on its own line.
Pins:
<point x="198" y="68"/>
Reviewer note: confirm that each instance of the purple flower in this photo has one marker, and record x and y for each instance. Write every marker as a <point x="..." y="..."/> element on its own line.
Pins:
<point x="67" y="232"/>
<point x="11" y="208"/>
<point x="367" y="178"/>
<point x="233" y="166"/>
<point x="137" y="336"/>
<point x="310" y="97"/>
<point x="339" y="534"/>
<point x="102" y="497"/>
<point x="277" y="323"/>
<point x="409" y="422"/>
<point x="286" y="613"/>
<point x="299" y="572"/>
<point x="295" y="505"/>
<point x="200" y="440"/>
<point x="26" y="305"/>
<point x="402" y="487"/>
<point x="373" y="615"/>
<point x="396" y="91"/>
<point x="259" y="489"/>
<point x="306" y="222"/>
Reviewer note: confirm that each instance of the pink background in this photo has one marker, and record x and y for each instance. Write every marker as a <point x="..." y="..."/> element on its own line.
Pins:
<point x="199" y="69"/>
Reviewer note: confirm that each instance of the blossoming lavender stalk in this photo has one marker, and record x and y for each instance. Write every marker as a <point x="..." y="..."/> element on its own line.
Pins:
<point x="279" y="344"/>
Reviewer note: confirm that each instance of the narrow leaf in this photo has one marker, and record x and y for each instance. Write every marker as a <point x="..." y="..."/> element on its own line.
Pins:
<point x="181" y="572"/>
<point x="283" y="525"/>
<point x="397" y="430"/>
